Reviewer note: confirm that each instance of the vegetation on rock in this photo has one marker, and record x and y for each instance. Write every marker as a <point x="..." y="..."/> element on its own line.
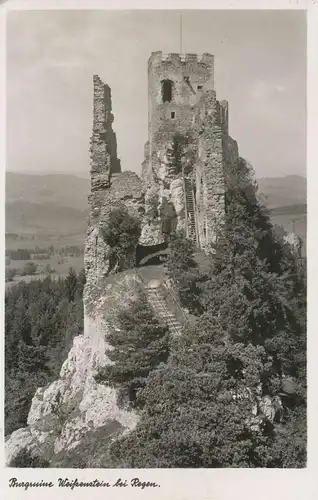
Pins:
<point x="229" y="392"/>
<point x="42" y="318"/>
<point x="168" y="218"/>
<point x="183" y="270"/>
<point x="121" y="233"/>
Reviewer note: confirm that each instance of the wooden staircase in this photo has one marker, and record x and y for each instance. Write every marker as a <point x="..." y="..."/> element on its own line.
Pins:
<point x="163" y="314"/>
<point x="190" y="210"/>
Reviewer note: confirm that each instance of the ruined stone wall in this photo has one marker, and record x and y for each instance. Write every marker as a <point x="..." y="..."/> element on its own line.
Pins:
<point x="190" y="76"/>
<point x="217" y="151"/>
<point x="103" y="148"/>
<point x="110" y="188"/>
<point x="209" y="171"/>
<point x="125" y="191"/>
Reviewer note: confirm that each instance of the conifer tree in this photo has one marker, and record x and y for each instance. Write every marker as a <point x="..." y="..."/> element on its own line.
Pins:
<point x="138" y="346"/>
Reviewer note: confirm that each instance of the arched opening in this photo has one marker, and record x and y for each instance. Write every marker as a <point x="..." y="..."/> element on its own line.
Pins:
<point x="166" y="90"/>
<point x="156" y="259"/>
<point x="146" y="253"/>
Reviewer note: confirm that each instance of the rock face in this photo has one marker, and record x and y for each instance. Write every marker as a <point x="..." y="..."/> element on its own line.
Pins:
<point x="75" y="406"/>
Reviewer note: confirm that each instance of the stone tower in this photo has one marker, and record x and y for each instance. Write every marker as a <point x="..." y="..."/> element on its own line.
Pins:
<point x="188" y="146"/>
<point x="175" y="85"/>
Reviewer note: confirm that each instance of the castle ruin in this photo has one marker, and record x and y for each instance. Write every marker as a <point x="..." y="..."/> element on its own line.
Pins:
<point x="186" y="158"/>
<point x="183" y="181"/>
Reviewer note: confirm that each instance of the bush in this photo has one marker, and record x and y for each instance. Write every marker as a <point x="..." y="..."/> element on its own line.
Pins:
<point x="153" y="205"/>
<point x="184" y="272"/>
<point x="29" y="269"/>
<point x="121" y="233"/>
<point x="10" y="274"/>
<point x="25" y="459"/>
<point x="168" y="218"/>
<point x="48" y="269"/>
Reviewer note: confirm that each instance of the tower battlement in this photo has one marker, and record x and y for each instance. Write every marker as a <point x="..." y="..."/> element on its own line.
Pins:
<point x="177" y="59"/>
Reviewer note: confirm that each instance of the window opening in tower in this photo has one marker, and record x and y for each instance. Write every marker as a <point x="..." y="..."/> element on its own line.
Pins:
<point x="166" y="90"/>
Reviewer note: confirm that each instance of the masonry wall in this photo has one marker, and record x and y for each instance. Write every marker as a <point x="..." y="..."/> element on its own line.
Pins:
<point x="186" y="74"/>
<point x="110" y="188"/>
<point x="103" y="148"/>
<point x="217" y="152"/>
<point x="210" y="196"/>
<point x="205" y="121"/>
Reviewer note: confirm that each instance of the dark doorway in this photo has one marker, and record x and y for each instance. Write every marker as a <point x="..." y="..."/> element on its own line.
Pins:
<point x="166" y="90"/>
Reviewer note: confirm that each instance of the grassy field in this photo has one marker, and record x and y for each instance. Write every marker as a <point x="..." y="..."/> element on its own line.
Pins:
<point x="60" y="264"/>
<point x="44" y="241"/>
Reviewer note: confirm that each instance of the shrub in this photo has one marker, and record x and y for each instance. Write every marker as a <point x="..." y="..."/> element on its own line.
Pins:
<point x="24" y="459"/>
<point x="121" y="233"/>
<point x="29" y="269"/>
<point x="10" y="274"/>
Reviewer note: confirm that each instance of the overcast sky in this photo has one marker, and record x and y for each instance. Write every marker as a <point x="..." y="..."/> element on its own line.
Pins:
<point x="260" y="68"/>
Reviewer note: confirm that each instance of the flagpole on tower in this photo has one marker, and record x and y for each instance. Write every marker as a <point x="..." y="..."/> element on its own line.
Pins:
<point x="180" y="33"/>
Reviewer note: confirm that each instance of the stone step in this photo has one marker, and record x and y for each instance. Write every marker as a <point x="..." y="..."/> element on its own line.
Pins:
<point x="158" y="304"/>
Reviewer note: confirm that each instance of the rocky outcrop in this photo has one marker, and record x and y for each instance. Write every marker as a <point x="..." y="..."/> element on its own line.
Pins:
<point x="75" y="406"/>
<point x="264" y="408"/>
<point x="71" y="410"/>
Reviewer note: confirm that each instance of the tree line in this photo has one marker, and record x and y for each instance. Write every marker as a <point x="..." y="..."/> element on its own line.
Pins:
<point x="41" y="319"/>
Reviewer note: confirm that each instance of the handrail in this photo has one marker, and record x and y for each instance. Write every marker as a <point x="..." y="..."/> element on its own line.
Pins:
<point x="185" y="203"/>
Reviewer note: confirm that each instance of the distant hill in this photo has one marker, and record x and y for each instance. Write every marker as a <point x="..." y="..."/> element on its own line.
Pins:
<point x="57" y="204"/>
<point x="60" y="189"/>
<point x="282" y="191"/>
<point x="25" y="217"/>
<point x="48" y="204"/>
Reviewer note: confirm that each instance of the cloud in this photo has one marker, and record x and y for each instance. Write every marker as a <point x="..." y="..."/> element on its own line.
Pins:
<point x="262" y="90"/>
